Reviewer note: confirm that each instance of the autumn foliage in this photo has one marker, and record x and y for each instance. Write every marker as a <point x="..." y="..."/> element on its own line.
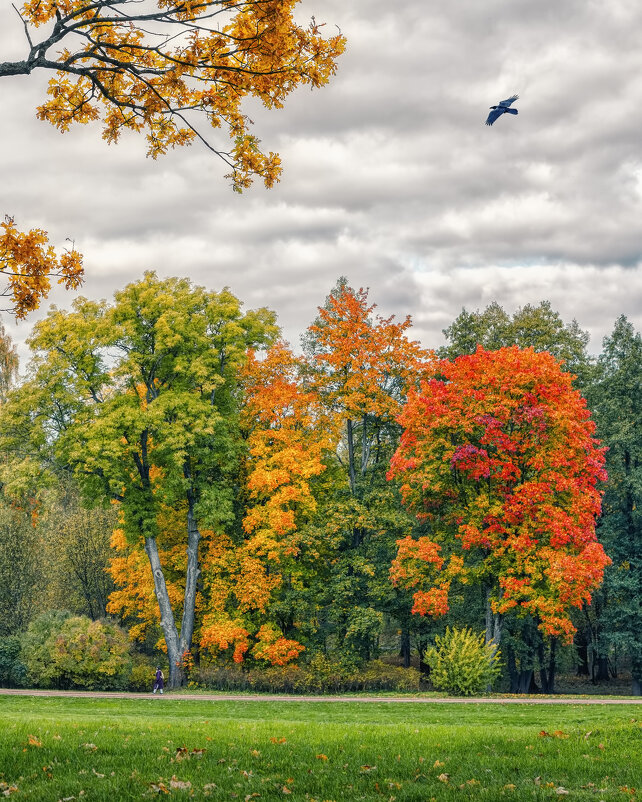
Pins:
<point x="159" y="69"/>
<point x="29" y="262"/>
<point x="498" y="459"/>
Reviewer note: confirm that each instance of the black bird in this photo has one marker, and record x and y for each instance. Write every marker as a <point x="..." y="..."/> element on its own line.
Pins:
<point x="501" y="108"/>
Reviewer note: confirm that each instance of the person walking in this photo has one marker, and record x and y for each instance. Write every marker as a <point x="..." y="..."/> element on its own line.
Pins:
<point x="159" y="680"/>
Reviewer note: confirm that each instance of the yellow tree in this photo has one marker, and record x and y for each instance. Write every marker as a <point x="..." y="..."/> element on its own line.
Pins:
<point x="162" y="67"/>
<point x="286" y="439"/>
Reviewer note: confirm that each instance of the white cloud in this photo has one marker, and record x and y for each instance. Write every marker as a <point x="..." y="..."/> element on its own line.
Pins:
<point x="390" y="175"/>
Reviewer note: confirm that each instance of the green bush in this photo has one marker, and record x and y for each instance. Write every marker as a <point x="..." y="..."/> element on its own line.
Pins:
<point x="13" y="673"/>
<point x="321" y="675"/>
<point x="461" y="663"/>
<point x="64" y="651"/>
<point x="142" y="674"/>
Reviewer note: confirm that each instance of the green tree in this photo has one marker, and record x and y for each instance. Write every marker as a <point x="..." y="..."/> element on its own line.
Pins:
<point x="616" y="400"/>
<point x="20" y="571"/>
<point x="538" y="327"/>
<point x="139" y="400"/>
<point x="76" y="544"/>
<point x="8" y="363"/>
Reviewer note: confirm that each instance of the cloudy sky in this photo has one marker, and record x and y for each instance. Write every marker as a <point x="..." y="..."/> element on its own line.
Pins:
<point x="390" y="176"/>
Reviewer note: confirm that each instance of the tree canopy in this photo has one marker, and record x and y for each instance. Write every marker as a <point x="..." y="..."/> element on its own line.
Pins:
<point x="159" y="68"/>
<point x="498" y="457"/>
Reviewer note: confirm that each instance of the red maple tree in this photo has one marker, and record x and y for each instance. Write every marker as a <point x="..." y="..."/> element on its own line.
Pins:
<point x="498" y="458"/>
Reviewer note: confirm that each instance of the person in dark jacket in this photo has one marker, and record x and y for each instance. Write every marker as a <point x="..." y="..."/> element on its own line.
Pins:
<point x="159" y="681"/>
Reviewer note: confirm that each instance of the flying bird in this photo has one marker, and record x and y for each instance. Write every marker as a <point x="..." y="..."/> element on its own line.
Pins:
<point x="501" y="108"/>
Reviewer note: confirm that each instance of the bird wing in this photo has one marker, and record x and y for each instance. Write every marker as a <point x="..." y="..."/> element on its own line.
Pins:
<point x="508" y="101"/>
<point x="494" y="114"/>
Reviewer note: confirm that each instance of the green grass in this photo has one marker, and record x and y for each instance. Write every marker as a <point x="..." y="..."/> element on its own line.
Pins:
<point x="113" y="749"/>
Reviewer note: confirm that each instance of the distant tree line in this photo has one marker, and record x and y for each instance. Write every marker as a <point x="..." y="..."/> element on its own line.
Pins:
<point x="170" y="464"/>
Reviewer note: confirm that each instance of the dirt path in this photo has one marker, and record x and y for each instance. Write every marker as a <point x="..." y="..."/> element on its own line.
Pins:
<point x="222" y="697"/>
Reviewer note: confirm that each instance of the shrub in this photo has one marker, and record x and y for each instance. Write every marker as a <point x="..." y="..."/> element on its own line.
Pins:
<point x="142" y="674"/>
<point x="13" y="673"/>
<point x="64" y="651"/>
<point x="461" y="663"/>
<point x="321" y="675"/>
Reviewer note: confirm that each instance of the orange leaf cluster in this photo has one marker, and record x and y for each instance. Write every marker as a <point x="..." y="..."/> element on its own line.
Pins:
<point x="161" y="70"/>
<point x="29" y="262"/>
<point x="366" y="365"/>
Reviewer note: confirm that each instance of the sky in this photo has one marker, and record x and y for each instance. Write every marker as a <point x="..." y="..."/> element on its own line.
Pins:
<point x="390" y="176"/>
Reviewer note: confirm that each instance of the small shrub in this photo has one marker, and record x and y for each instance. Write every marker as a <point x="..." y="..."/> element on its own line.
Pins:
<point x="461" y="663"/>
<point x="142" y="674"/>
<point x="13" y="673"/>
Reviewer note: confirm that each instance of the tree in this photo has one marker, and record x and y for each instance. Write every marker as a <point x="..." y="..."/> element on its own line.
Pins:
<point x="20" y="571"/>
<point x="498" y="458"/>
<point x="8" y="363"/>
<point x="29" y="262"/>
<point x="360" y="366"/>
<point x="160" y="67"/>
<point x="538" y="327"/>
<point x="616" y="400"/>
<point x="140" y="401"/>
<point x="76" y="541"/>
<point x="286" y="439"/>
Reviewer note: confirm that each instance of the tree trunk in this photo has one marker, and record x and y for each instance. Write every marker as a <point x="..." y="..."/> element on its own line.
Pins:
<point x="168" y="624"/>
<point x="601" y="668"/>
<point x="351" y="468"/>
<point x="404" y="647"/>
<point x="636" y="676"/>
<point x="581" y="647"/>
<point x="191" y="578"/>
<point x="552" y="666"/>
<point x="493" y="624"/>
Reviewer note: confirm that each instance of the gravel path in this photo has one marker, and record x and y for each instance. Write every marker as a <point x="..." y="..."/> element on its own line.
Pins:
<point x="222" y="697"/>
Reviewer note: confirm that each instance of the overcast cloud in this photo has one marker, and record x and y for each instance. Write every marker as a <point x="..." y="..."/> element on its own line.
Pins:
<point x="390" y="175"/>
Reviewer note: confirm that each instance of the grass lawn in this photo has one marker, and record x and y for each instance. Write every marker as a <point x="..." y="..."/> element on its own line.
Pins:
<point x="118" y="749"/>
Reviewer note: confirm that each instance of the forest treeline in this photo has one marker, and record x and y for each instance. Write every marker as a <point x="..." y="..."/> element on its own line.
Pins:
<point x="170" y="466"/>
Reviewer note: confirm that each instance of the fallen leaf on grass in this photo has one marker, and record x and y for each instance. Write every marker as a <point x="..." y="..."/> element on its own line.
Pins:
<point x="365" y="769"/>
<point x="7" y="790"/>
<point x="98" y="774"/>
<point x="158" y="788"/>
<point x="444" y="778"/>
<point x="510" y="787"/>
<point x="286" y="790"/>
<point x="33" y="741"/>
<point x="438" y="764"/>
<point x="89" y="747"/>
<point x="322" y="757"/>
<point x="179" y="785"/>
<point x="561" y="791"/>
<point x="278" y="740"/>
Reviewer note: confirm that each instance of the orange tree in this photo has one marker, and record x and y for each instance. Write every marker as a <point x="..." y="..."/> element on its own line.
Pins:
<point x="160" y="68"/>
<point x="498" y="458"/>
<point x="360" y="365"/>
<point x="286" y="439"/>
